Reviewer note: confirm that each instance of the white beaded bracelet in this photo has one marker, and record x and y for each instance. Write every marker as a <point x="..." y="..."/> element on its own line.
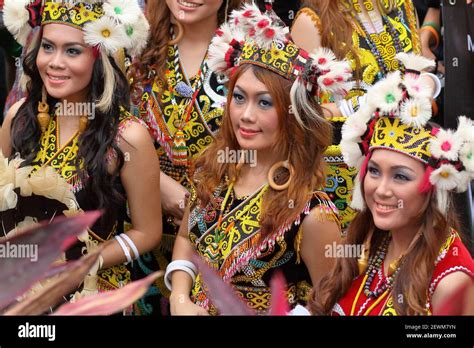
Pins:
<point x="124" y="248"/>
<point x="132" y="245"/>
<point x="180" y="265"/>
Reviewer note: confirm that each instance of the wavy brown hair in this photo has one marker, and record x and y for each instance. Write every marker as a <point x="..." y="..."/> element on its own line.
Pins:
<point x="338" y="37"/>
<point x="153" y="58"/>
<point x="413" y="279"/>
<point x="303" y="147"/>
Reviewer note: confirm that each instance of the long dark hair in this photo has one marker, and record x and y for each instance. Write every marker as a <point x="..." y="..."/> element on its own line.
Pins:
<point x="94" y="143"/>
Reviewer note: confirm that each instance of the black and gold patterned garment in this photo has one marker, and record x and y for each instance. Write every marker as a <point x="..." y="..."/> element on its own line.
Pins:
<point x="246" y="260"/>
<point x="197" y="102"/>
<point x="37" y="208"/>
<point x="399" y="34"/>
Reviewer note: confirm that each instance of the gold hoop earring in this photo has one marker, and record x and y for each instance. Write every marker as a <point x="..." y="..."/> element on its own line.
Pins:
<point x="43" y="111"/>
<point x="271" y="181"/>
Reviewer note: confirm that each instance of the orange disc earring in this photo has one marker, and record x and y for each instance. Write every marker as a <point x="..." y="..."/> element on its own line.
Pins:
<point x="43" y="111"/>
<point x="271" y="174"/>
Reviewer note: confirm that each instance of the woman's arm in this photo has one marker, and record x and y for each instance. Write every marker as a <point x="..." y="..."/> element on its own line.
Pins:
<point x="318" y="234"/>
<point x="181" y="281"/>
<point x="172" y="197"/>
<point x="448" y="290"/>
<point x="140" y="177"/>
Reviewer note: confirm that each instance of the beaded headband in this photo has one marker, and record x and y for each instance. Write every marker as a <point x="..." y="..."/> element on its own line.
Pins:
<point x="262" y="39"/>
<point x="108" y="25"/>
<point x="252" y="37"/>
<point x="396" y="118"/>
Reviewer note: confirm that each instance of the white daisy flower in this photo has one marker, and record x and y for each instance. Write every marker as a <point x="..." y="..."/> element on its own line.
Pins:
<point x="446" y="177"/>
<point x="323" y="57"/>
<point x="356" y="124"/>
<point x="15" y="15"/>
<point x="464" y="180"/>
<point x="137" y="33"/>
<point x="415" y="61"/>
<point x="125" y="11"/>
<point x="415" y="112"/>
<point x="467" y="156"/>
<point x="386" y="94"/>
<point x="106" y="34"/>
<point x="336" y="79"/>
<point x="416" y="87"/>
<point x="465" y="129"/>
<point x="445" y="145"/>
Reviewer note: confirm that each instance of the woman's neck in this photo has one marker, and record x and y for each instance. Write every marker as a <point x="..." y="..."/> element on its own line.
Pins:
<point x="201" y="31"/>
<point x="400" y="244"/>
<point x="194" y="44"/>
<point x="254" y="175"/>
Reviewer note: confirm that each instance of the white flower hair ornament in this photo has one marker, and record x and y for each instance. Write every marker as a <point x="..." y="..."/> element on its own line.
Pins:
<point x="253" y="37"/>
<point x="397" y="117"/>
<point x="108" y="25"/>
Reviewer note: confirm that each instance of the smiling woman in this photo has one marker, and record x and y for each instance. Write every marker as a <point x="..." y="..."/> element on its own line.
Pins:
<point x="65" y="63"/>
<point x="181" y="100"/>
<point x="250" y="222"/>
<point x="414" y="262"/>
<point x="81" y="161"/>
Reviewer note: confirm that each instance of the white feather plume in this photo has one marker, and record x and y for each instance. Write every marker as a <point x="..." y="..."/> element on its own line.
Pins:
<point x="414" y="61"/>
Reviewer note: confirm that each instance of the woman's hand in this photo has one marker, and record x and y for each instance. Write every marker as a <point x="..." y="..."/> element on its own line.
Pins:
<point x="172" y="198"/>
<point x="182" y="305"/>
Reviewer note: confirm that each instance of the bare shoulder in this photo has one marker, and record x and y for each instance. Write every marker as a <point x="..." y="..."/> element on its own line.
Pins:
<point x="13" y="111"/>
<point x="306" y="30"/>
<point x="449" y="289"/>
<point x="321" y="226"/>
<point x="306" y="21"/>
<point x="135" y="135"/>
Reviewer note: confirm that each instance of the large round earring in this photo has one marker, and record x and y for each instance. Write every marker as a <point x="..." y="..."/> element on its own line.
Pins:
<point x="43" y="111"/>
<point x="271" y="174"/>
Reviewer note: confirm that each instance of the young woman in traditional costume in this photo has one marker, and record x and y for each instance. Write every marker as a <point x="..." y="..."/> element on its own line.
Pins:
<point x="181" y="100"/>
<point x="413" y="260"/>
<point x="71" y="143"/>
<point x="368" y="33"/>
<point x="256" y="217"/>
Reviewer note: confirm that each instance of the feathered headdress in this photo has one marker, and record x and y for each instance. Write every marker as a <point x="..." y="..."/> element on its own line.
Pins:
<point x="397" y="117"/>
<point x="253" y="37"/>
<point x="109" y="25"/>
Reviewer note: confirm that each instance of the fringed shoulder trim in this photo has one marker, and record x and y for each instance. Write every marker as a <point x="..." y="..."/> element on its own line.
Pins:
<point x="321" y="206"/>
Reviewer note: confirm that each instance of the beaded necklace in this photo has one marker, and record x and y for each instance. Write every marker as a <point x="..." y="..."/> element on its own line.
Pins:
<point x="383" y="287"/>
<point x="183" y="114"/>
<point x="364" y="30"/>
<point x="376" y="266"/>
